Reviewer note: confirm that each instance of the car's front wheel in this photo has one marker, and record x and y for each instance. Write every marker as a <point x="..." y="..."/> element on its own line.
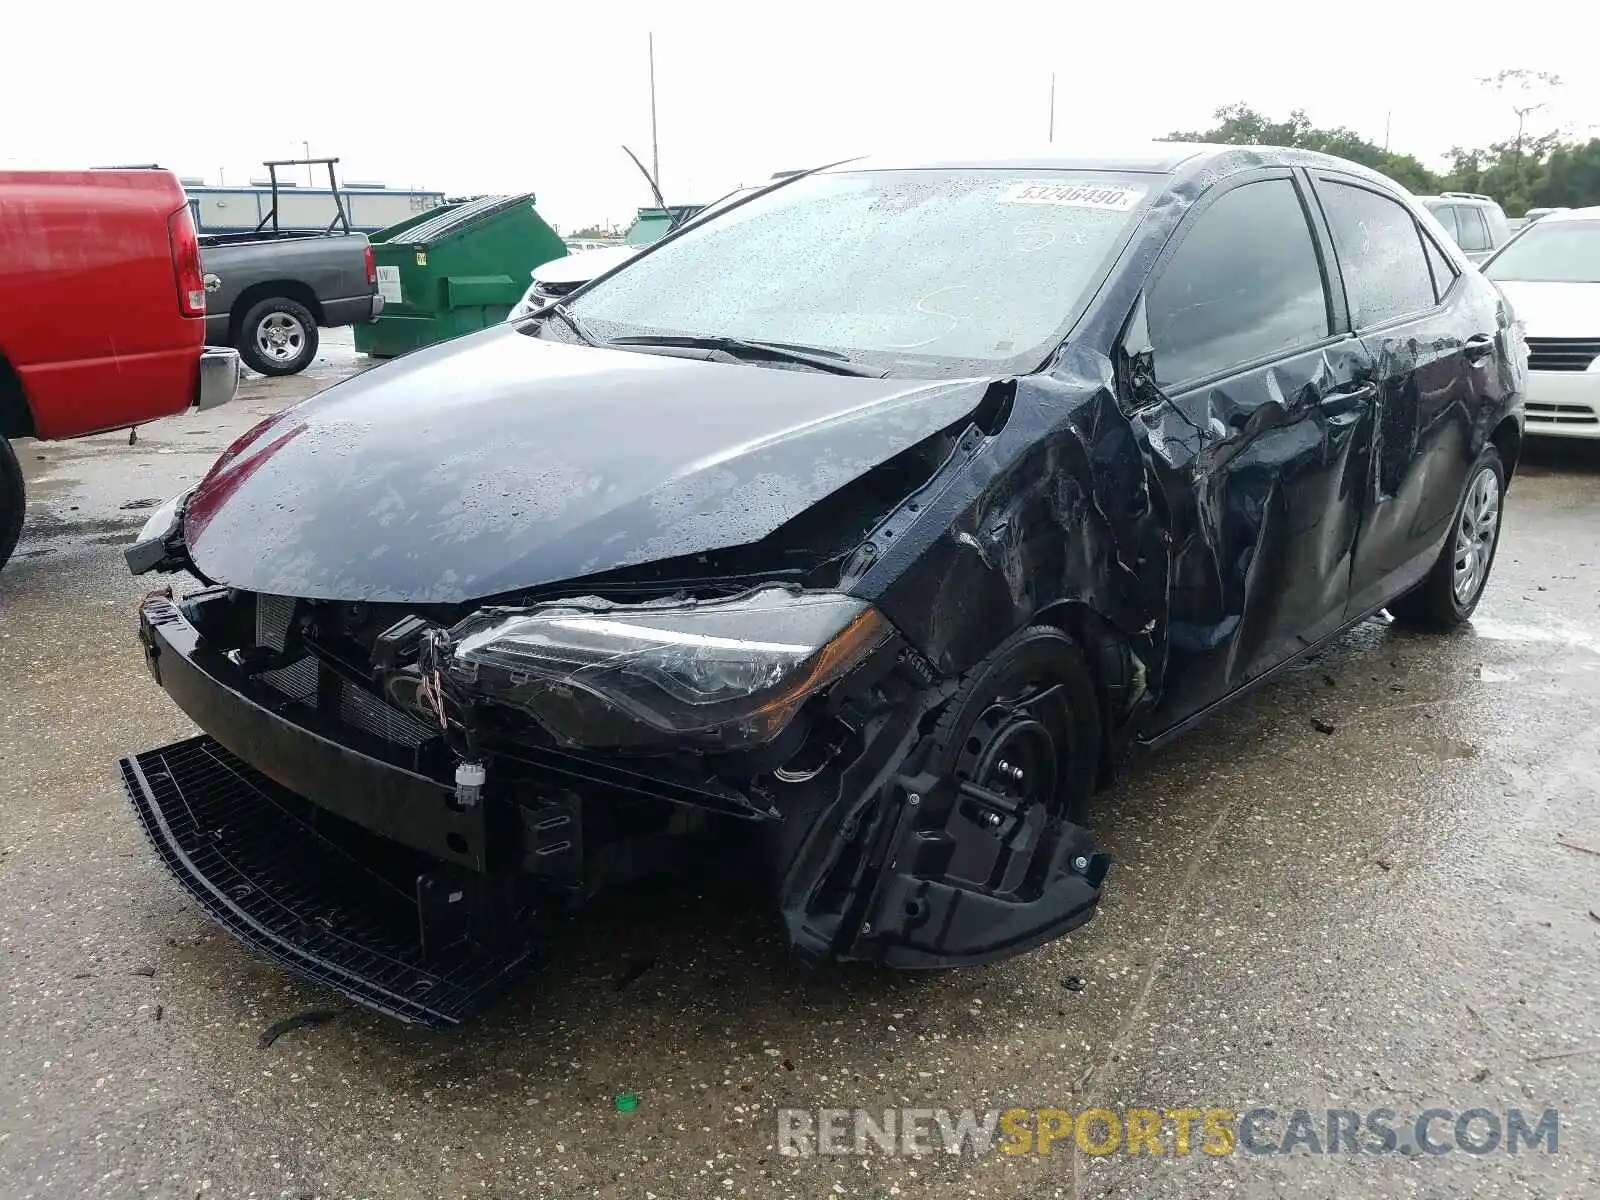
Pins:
<point x="278" y="336"/>
<point x="11" y="500"/>
<point x="1453" y="587"/>
<point x="1026" y="725"/>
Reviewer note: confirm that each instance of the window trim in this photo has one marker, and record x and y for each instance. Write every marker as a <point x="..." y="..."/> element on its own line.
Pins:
<point x="1333" y="300"/>
<point x="1366" y="185"/>
<point x="1444" y="256"/>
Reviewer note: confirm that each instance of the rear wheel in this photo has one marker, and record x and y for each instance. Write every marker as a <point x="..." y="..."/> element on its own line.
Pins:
<point x="11" y="500"/>
<point x="278" y="336"/>
<point x="1451" y="591"/>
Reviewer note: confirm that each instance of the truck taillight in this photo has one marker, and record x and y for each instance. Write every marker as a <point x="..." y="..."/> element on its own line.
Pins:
<point x="186" y="263"/>
<point x="372" y="268"/>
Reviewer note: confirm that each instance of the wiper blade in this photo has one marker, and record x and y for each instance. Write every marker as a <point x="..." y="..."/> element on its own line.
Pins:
<point x="559" y="309"/>
<point x="814" y="357"/>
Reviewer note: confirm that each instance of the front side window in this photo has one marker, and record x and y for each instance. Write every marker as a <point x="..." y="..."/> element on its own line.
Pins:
<point x="1380" y="251"/>
<point x="1550" y="252"/>
<point x="910" y="272"/>
<point x="1245" y="285"/>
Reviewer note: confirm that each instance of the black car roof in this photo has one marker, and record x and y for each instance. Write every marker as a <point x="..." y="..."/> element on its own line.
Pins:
<point x="1180" y="159"/>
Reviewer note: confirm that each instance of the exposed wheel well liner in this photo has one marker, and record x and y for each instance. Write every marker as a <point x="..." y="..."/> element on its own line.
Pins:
<point x="1507" y="438"/>
<point x="1111" y="663"/>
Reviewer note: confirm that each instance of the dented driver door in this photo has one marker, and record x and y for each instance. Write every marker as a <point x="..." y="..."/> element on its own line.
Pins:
<point x="1254" y="397"/>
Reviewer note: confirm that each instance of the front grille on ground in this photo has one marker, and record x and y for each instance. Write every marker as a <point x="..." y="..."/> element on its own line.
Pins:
<point x="233" y="839"/>
<point x="1562" y="354"/>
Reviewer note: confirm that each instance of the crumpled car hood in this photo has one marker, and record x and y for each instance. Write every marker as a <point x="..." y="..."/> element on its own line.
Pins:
<point x="498" y="462"/>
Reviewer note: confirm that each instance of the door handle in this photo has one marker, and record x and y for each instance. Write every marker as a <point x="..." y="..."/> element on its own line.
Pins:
<point x="1478" y="347"/>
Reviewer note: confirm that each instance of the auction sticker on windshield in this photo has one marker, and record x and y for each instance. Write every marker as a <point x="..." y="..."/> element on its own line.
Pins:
<point x="1114" y="196"/>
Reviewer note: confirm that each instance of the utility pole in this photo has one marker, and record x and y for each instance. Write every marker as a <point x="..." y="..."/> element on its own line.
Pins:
<point x="310" y="179"/>
<point x="655" y="149"/>
<point x="1052" y="106"/>
<point x="1387" y="118"/>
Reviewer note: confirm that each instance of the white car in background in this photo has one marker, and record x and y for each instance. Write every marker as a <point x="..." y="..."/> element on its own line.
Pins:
<point x="1551" y="274"/>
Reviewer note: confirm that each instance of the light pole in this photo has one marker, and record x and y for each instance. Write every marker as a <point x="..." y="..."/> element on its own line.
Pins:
<point x="655" y="150"/>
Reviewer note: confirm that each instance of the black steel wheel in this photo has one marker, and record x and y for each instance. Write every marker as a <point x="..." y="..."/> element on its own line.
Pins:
<point x="1025" y="725"/>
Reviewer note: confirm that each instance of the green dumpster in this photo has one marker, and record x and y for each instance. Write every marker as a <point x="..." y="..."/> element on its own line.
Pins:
<point x="450" y="271"/>
<point x="653" y="224"/>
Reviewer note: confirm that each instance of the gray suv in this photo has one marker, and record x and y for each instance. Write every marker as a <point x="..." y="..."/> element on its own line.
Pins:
<point x="1477" y="223"/>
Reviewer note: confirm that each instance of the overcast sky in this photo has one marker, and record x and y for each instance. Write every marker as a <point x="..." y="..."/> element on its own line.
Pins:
<point x="489" y="96"/>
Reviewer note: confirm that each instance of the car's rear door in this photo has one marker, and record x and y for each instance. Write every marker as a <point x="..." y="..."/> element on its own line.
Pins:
<point x="1257" y="396"/>
<point x="1429" y="337"/>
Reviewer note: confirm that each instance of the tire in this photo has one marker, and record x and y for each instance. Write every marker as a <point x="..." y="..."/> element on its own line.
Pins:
<point x="1033" y="659"/>
<point x="12" y="501"/>
<point x="1447" y="597"/>
<point x="278" y="336"/>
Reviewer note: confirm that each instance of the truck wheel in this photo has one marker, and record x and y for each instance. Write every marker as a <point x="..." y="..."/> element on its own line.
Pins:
<point x="11" y="500"/>
<point x="278" y="337"/>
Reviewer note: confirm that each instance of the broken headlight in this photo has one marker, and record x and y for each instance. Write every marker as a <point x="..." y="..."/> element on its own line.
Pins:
<point x="720" y="674"/>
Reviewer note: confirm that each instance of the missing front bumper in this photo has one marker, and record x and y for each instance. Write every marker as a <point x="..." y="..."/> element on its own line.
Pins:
<point x="296" y="887"/>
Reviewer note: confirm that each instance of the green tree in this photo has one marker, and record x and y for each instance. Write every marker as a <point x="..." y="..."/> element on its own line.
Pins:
<point x="1240" y="125"/>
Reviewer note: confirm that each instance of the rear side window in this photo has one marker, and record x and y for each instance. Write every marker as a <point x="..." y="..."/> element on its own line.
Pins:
<point x="1244" y="285"/>
<point x="1474" y="233"/>
<point x="1386" y="272"/>
<point x="1446" y="216"/>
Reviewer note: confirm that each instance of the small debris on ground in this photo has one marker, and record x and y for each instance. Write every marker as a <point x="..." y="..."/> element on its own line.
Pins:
<point x="133" y="504"/>
<point x="1480" y="1075"/>
<point x="1073" y="983"/>
<point x="1544" y="1058"/>
<point x="1330" y="681"/>
<point x="300" y="1020"/>
<point x="159" y="1011"/>
<point x="147" y="972"/>
<point x="627" y="1101"/>
<point x="1384" y="864"/>
<point x="1577" y="847"/>
<point x="1321" y="725"/>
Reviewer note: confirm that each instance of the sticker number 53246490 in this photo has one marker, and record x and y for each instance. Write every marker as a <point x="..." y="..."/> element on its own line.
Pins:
<point x="1114" y="196"/>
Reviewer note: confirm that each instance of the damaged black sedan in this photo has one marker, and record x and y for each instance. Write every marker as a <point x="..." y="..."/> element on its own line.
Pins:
<point x="861" y="532"/>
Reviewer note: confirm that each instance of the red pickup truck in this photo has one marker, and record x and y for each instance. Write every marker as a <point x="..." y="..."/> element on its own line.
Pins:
<point x="124" y="240"/>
